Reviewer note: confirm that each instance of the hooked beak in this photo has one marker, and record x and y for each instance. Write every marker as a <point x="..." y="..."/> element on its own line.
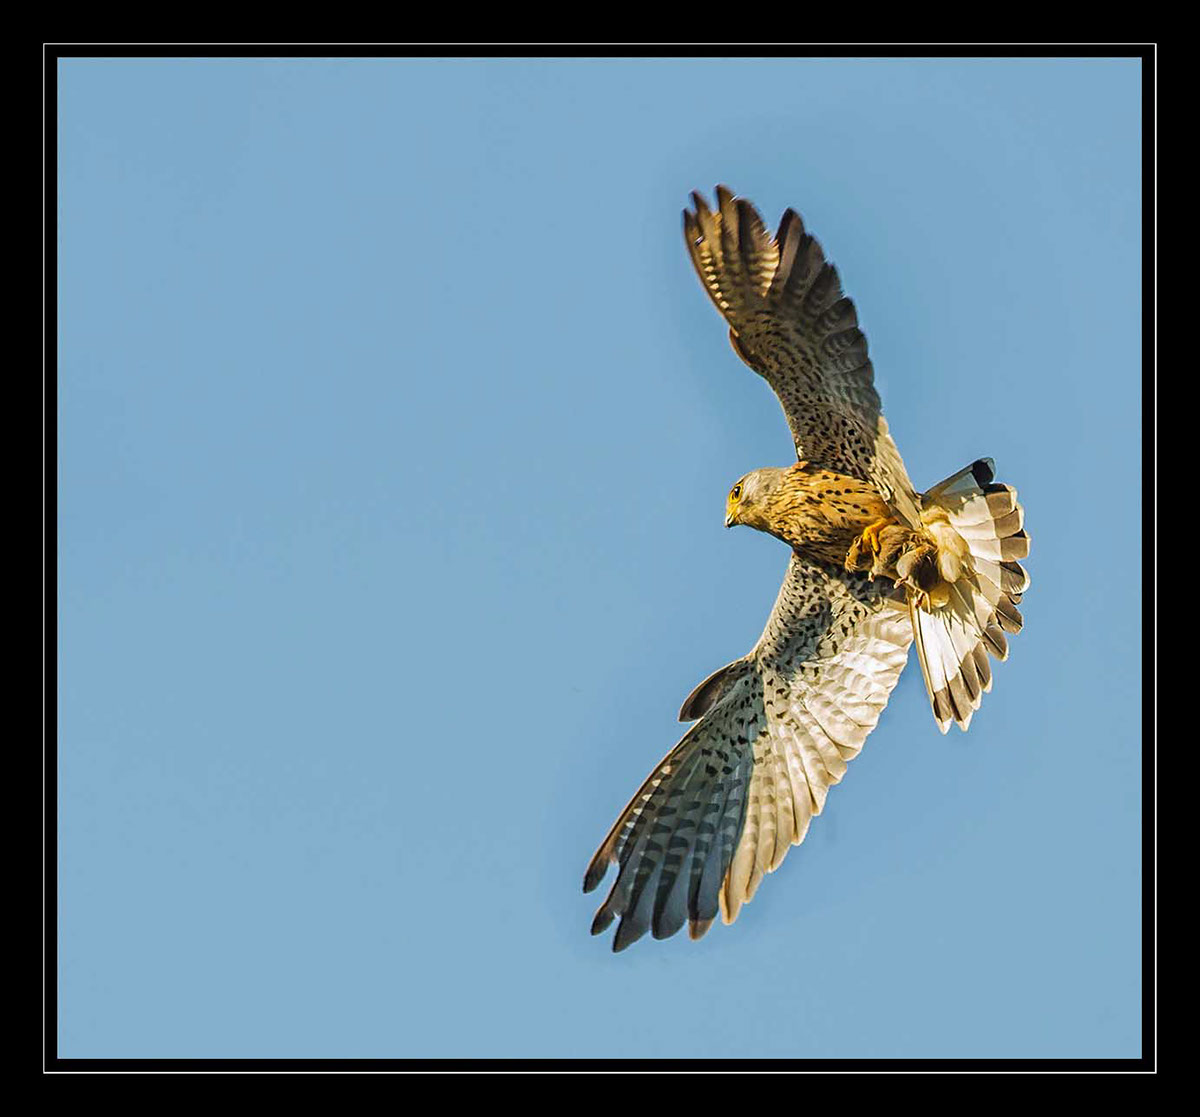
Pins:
<point x="729" y="520"/>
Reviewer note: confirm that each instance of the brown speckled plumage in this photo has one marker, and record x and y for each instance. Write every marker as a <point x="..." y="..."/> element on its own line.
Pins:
<point x="874" y="565"/>
<point x="816" y="511"/>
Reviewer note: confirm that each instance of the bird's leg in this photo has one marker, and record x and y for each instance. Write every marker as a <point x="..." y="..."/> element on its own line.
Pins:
<point x="870" y="535"/>
<point x="866" y="550"/>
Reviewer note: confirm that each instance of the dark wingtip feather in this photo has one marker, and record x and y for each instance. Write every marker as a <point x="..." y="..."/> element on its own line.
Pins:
<point x="595" y="873"/>
<point x="628" y="932"/>
<point x="602" y="920"/>
<point x="697" y="928"/>
<point x="751" y="221"/>
<point x="666" y="923"/>
<point x="789" y="221"/>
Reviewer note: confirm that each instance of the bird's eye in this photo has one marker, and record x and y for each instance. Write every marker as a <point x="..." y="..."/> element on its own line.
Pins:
<point x="736" y="493"/>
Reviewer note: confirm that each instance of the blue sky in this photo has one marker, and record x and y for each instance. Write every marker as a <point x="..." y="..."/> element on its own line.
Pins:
<point x="394" y="435"/>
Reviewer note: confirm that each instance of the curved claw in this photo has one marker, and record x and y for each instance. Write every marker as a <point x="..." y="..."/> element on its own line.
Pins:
<point x="870" y="536"/>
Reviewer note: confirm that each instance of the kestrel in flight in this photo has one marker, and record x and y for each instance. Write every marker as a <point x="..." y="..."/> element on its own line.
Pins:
<point x="875" y="565"/>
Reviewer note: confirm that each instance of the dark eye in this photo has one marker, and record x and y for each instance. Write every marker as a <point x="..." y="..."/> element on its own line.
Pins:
<point x="737" y="492"/>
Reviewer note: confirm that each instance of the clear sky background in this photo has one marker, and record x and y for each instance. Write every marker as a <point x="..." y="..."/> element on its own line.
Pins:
<point x="394" y="436"/>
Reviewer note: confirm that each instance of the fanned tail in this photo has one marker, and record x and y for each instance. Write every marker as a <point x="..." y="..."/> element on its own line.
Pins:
<point x="954" y="641"/>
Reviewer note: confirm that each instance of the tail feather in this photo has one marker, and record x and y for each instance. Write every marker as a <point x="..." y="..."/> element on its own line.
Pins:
<point x="954" y="641"/>
<point x="1007" y="576"/>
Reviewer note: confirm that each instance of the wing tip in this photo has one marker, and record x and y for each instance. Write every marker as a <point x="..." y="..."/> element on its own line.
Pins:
<point x="602" y="920"/>
<point x="628" y="932"/>
<point x="698" y="928"/>
<point x="596" y="871"/>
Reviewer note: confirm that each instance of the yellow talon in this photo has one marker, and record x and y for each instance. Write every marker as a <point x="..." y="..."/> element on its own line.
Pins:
<point x="870" y="535"/>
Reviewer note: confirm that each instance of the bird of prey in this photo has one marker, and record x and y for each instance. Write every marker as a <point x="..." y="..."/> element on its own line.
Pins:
<point x="875" y="565"/>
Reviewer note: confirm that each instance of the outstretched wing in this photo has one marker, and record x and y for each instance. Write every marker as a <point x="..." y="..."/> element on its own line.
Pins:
<point x="789" y="321"/>
<point x="778" y="727"/>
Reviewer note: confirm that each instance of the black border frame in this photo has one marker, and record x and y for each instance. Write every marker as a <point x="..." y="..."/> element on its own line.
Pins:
<point x="52" y="52"/>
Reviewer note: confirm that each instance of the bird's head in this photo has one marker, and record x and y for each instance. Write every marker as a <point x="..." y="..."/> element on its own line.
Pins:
<point x="748" y="499"/>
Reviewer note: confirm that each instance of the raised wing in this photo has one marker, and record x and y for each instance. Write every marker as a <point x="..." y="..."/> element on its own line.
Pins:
<point x="776" y="731"/>
<point x="789" y="321"/>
